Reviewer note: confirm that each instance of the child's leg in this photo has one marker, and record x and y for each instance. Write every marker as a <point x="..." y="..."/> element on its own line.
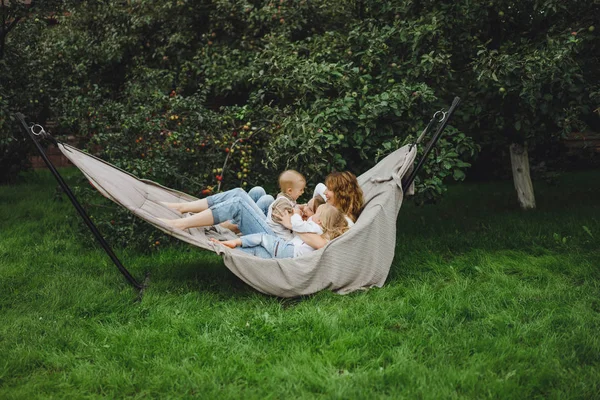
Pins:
<point x="278" y="247"/>
<point x="251" y="244"/>
<point x="252" y="240"/>
<point x="267" y="246"/>
<point x="232" y="244"/>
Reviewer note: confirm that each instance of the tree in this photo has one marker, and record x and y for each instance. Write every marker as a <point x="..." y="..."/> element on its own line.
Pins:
<point x="324" y="84"/>
<point x="534" y="75"/>
<point x="13" y="11"/>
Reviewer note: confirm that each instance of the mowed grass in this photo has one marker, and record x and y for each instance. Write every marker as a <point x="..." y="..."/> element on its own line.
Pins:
<point x="482" y="301"/>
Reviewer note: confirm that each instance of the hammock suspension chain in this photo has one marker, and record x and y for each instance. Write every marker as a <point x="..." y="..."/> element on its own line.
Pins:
<point x="429" y="125"/>
<point x="438" y="118"/>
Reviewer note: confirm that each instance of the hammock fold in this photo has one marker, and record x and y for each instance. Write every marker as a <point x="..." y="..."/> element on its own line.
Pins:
<point x="359" y="259"/>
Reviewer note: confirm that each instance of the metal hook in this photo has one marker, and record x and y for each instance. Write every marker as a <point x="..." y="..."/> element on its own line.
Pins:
<point x="41" y="131"/>
<point x="440" y="112"/>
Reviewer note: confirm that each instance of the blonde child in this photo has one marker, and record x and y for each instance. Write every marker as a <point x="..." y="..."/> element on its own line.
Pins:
<point x="329" y="221"/>
<point x="291" y="186"/>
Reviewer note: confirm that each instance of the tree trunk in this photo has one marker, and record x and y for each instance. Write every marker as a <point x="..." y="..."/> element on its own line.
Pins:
<point x="520" y="167"/>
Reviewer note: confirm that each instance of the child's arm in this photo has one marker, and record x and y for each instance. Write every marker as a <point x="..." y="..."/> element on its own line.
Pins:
<point x="301" y="226"/>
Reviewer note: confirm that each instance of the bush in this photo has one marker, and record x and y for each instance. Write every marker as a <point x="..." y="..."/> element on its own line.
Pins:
<point x="170" y="90"/>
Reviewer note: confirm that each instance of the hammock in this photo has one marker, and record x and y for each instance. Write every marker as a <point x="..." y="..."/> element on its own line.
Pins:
<point x="359" y="259"/>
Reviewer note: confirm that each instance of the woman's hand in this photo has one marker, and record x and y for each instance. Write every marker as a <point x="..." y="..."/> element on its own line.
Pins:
<point x="286" y="220"/>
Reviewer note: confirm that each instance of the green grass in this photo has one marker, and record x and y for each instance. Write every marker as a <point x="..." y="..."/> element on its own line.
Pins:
<point x="483" y="301"/>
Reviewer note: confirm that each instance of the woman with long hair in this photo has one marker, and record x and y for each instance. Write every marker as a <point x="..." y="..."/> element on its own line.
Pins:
<point x="344" y="193"/>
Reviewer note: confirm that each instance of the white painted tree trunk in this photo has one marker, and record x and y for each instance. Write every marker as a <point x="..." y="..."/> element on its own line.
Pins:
<point x="520" y="167"/>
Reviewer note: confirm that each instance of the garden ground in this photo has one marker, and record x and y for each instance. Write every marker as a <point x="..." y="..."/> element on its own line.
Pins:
<point x="483" y="300"/>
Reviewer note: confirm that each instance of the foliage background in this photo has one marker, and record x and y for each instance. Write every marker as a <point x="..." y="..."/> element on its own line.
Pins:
<point x="165" y="89"/>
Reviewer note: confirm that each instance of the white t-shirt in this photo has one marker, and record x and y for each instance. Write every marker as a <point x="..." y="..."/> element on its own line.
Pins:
<point x="308" y="226"/>
<point x="301" y="226"/>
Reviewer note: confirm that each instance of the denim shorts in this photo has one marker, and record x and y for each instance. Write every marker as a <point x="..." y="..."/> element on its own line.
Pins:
<point x="267" y="246"/>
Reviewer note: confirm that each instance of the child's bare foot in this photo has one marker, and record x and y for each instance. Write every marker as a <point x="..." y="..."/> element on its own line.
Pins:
<point x="180" y="207"/>
<point x="232" y="244"/>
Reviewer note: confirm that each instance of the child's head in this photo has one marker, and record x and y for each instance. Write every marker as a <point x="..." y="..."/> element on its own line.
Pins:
<point x="312" y="206"/>
<point x="292" y="183"/>
<point x="332" y="221"/>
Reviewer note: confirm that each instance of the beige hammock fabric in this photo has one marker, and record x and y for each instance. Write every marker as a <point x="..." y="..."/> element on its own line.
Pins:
<point x="359" y="259"/>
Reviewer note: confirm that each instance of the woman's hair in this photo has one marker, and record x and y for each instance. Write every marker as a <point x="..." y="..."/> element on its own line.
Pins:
<point x="348" y="195"/>
<point x="333" y="222"/>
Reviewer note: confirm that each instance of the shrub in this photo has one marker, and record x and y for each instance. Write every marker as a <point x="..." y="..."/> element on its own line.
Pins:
<point x="165" y="89"/>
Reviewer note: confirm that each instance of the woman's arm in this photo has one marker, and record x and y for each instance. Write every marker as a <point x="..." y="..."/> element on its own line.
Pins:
<point x="313" y="240"/>
<point x="301" y="226"/>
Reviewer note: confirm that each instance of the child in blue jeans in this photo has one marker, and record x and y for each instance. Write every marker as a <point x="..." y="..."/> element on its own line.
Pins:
<point x="328" y="222"/>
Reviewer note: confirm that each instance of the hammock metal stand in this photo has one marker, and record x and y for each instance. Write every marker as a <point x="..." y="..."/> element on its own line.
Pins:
<point x="30" y="131"/>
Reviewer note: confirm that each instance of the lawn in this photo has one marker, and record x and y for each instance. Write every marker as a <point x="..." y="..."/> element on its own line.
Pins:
<point x="482" y="301"/>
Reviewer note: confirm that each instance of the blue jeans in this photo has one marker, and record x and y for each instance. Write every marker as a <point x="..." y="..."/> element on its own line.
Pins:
<point x="237" y="206"/>
<point x="267" y="246"/>
<point x="261" y="198"/>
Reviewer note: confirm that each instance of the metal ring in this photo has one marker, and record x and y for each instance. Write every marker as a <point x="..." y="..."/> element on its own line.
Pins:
<point x="41" y="132"/>
<point x="440" y="112"/>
